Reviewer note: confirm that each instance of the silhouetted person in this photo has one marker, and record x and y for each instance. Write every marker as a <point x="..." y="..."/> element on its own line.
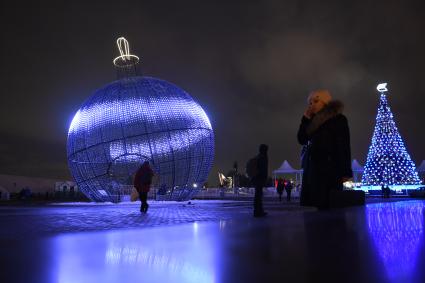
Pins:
<point x="72" y="192"/>
<point x="142" y="183"/>
<point x="235" y="175"/>
<point x="325" y="137"/>
<point x="288" y="189"/>
<point x="280" y="187"/>
<point x="387" y="192"/>
<point x="259" y="180"/>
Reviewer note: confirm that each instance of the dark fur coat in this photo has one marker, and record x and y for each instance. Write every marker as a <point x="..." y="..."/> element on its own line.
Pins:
<point x="327" y="155"/>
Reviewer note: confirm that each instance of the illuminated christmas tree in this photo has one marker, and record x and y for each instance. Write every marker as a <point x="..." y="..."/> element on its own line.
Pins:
<point x="388" y="162"/>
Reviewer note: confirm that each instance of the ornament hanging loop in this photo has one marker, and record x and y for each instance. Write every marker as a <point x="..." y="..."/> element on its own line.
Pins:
<point x="125" y="59"/>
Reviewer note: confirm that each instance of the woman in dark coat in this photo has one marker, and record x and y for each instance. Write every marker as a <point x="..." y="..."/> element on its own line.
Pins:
<point x="326" y="161"/>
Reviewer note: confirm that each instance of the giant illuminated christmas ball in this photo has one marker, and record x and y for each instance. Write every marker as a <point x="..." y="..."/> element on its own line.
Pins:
<point x="134" y="119"/>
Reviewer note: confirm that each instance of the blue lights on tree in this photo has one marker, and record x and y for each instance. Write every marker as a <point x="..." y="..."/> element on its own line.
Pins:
<point x="134" y="119"/>
<point x="388" y="162"/>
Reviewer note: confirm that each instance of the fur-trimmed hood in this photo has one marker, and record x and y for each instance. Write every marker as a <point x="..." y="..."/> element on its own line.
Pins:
<point x="332" y="109"/>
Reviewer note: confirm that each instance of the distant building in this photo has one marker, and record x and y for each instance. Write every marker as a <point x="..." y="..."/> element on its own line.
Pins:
<point x="14" y="184"/>
<point x="66" y="186"/>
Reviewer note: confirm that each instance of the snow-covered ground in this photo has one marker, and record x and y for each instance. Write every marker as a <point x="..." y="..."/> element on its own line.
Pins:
<point x="155" y="202"/>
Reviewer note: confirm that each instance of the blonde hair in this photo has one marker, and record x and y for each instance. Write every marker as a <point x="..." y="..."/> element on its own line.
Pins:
<point x="322" y="94"/>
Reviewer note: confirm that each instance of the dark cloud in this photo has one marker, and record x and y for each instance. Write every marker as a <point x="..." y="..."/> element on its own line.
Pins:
<point x="21" y="155"/>
<point x="250" y="64"/>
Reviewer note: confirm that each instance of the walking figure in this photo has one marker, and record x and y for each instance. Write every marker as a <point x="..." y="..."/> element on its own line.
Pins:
<point x="288" y="189"/>
<point x="142" y="183"/>
<point x="280" y="187"/>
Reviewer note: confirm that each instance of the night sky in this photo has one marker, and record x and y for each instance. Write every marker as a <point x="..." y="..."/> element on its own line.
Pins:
<point x="250" y="64"/>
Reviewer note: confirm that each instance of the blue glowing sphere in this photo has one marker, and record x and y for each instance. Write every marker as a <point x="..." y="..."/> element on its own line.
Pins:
<point x="136" y="119"/>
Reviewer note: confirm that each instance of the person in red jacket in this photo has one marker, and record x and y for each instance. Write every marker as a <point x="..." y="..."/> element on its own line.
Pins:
<point x="142" y="183"/>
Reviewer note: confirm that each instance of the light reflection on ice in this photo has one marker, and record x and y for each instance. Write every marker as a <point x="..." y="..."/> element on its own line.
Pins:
<point x="397" y="231"/>
<point x="183" y="254"/>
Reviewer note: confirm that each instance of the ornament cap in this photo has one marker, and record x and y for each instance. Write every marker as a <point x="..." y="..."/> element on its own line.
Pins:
<point x="125" y="59"/>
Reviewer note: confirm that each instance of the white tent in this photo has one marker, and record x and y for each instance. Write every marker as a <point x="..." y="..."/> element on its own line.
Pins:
<point x="357" y="170"/>
<point x="421" y="168"/>
<point x="4" y="194"/>
<point x="286" y="168"/>
<point x="421" y="171"/>
<point x="356" y="167"/>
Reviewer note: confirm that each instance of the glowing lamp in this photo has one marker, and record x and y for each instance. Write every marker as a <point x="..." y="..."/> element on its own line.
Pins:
<point x="382" y="87"/>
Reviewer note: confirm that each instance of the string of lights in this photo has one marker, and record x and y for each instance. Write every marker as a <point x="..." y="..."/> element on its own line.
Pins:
<point x="137" y="119"/>
<point x="388" y="162"/>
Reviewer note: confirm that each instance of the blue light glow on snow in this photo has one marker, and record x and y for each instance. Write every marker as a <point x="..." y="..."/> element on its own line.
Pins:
<point x="397" y="232"/>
